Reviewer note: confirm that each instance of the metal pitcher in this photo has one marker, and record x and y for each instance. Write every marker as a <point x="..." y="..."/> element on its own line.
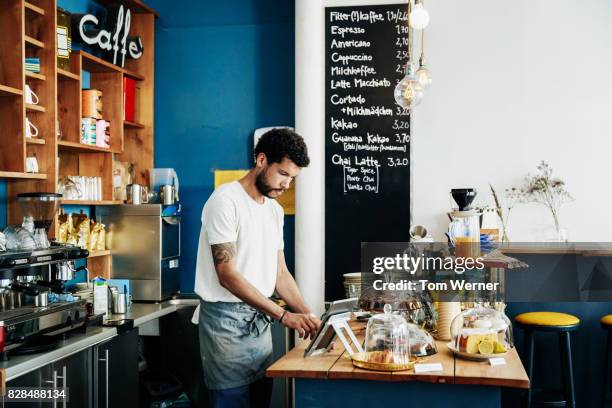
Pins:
<point x="168" y="194"/>
<point x="137" y="194"/>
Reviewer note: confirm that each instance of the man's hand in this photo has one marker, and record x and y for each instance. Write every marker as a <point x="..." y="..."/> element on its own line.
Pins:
<point x="306" y="325"/>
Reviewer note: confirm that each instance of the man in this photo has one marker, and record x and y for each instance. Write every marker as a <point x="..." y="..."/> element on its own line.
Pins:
<point x="240" y="264"/>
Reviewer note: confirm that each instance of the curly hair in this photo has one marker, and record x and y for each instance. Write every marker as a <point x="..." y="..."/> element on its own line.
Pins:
<point x="279" y="143"/>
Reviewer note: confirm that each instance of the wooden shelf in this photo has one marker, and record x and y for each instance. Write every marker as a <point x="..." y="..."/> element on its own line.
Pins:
<point x="33" y="42"/>
<point x="34" y="75"/>
<point x="95" y="254"/>
<point x="133" y="75"/>
<point x="88" y="202"/>
<point x="35" y="140"/>
<point x="63" y="74"/>
<point x="91" y="63"/>
<point x="35" y="9"/>
<point x="10" y="91"/>
<point x="135" y="125"/>
<point x="66" y="145"/>
<point x="35" y="35"/>
<point x="16" y="175"/>
<point x="36" y="108"/>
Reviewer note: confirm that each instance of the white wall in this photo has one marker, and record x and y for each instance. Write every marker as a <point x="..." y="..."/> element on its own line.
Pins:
<point x="515" y="83"/>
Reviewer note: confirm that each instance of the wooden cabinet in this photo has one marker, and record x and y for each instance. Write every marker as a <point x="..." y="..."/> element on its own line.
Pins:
<point x="28" y="30"/>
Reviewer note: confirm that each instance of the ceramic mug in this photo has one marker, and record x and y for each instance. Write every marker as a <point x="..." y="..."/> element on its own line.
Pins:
<point x="30" y="129"/>
<point x="31" y="165"/>
<point x="102" y="131"/>
<point x="30" y="96"/>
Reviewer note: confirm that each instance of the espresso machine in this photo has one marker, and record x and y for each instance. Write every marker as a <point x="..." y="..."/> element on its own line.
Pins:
<point x="33" y="271"/>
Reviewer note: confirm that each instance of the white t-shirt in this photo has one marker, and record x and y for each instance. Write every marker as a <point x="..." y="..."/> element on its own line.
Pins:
<point x="231" y="215"/>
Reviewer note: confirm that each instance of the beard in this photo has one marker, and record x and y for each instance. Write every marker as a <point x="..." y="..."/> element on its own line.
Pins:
<point x="263" y="186"/>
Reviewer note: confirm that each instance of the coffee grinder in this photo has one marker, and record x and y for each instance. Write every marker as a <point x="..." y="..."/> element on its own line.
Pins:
<point x="39" y="209"/>
<point x="464" y="229"/>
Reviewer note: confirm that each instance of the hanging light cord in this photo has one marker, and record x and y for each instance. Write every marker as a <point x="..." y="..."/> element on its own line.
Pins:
<point x="422" y="59"/>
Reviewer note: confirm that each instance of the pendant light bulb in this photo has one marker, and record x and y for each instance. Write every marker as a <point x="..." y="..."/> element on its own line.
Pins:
<point x="419" y="17"/>
<point x="408" y="92"/>
<point x="423" y="76"/>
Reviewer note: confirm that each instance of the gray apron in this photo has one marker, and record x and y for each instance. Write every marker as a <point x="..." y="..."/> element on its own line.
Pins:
<point x="235" y="344"/>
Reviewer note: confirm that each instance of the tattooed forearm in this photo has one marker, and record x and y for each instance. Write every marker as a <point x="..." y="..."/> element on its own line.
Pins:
<point x="223" y="253"/>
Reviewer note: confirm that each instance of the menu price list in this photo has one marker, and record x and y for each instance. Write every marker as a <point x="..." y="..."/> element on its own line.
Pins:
<point x="367" y="135"/>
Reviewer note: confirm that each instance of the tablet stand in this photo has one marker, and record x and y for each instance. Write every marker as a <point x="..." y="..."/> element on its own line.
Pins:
<point x="339" y="324"/>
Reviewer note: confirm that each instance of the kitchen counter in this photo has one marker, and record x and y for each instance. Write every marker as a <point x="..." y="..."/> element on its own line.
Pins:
<point x="330" y="380"/>
<point x="140" y="312"/>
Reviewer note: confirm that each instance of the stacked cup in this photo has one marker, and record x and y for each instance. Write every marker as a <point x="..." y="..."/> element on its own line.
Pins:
<point x="352" y="284"/>
<point x="447" y="311"/>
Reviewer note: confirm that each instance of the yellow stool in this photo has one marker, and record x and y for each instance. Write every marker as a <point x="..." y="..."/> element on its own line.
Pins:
<point x="606" y="324"/>
<point x="563" y="324"/>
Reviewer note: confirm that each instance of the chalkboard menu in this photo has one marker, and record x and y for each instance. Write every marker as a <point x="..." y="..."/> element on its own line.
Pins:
<point x="367" y="136"/>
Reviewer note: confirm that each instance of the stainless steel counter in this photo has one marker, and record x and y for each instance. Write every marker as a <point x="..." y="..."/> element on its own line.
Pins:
<point x="141" y="313"/>
<point x="145" y="312"/>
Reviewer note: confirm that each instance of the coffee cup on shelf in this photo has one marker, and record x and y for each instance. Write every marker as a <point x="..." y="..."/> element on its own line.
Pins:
<point x="31" y="165"/>
<point x="30" y="96"/>
<point x="30" y="129"/>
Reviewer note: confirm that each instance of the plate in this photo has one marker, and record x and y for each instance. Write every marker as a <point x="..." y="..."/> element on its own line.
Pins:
<point x="471" y="356"/>
<point x="361" y="360"/>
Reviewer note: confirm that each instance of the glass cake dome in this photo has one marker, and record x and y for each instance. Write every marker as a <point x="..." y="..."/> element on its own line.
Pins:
<point x="387" y="338"/>
<point x="481" y="333"/>
<point x="421" y="343"/>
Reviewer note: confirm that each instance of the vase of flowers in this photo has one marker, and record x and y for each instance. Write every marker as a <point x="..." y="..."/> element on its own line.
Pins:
<point x="513" y="196"/>
<point x="542" y="188"/>
<point x="545" y="189"/>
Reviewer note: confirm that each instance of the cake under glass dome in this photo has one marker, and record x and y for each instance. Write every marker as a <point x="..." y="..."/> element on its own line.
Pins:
<point x="481" y="333"/>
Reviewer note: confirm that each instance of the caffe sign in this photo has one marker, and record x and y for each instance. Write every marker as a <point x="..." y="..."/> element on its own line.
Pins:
<point x="113" y="38"/>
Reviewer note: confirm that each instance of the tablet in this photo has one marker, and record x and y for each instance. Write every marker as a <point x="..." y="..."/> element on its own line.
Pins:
<point x="326" y="334"/>
<point x="341" y="306"/>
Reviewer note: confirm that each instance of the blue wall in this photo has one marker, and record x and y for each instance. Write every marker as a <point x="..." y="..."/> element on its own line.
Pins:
<point x="222" y="69"/>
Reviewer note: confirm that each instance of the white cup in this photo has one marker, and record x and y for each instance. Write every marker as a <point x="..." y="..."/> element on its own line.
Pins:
<point x="31" y="165"/>
<point x="30" y="96"/>
<point x="30" y="129"/>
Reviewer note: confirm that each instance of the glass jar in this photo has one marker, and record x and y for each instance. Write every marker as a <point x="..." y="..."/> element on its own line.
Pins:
<point x="464" y="232"/>
<point x="387" y="338"/>
<point x="481" y="332"/>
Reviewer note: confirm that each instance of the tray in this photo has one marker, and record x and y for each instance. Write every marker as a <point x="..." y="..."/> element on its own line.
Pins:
<point x="361" y="360"/>
<point x="471" y="356"/>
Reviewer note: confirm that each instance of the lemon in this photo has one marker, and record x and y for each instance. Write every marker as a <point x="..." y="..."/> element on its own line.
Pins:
<point x="485" y="347"/>
<point x="473" y="342"/>
<point x="499" y="348"/>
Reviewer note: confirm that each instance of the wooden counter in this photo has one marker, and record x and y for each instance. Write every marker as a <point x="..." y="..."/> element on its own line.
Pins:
<point x="558" y="248"/>
<point x="336" y="365"/>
